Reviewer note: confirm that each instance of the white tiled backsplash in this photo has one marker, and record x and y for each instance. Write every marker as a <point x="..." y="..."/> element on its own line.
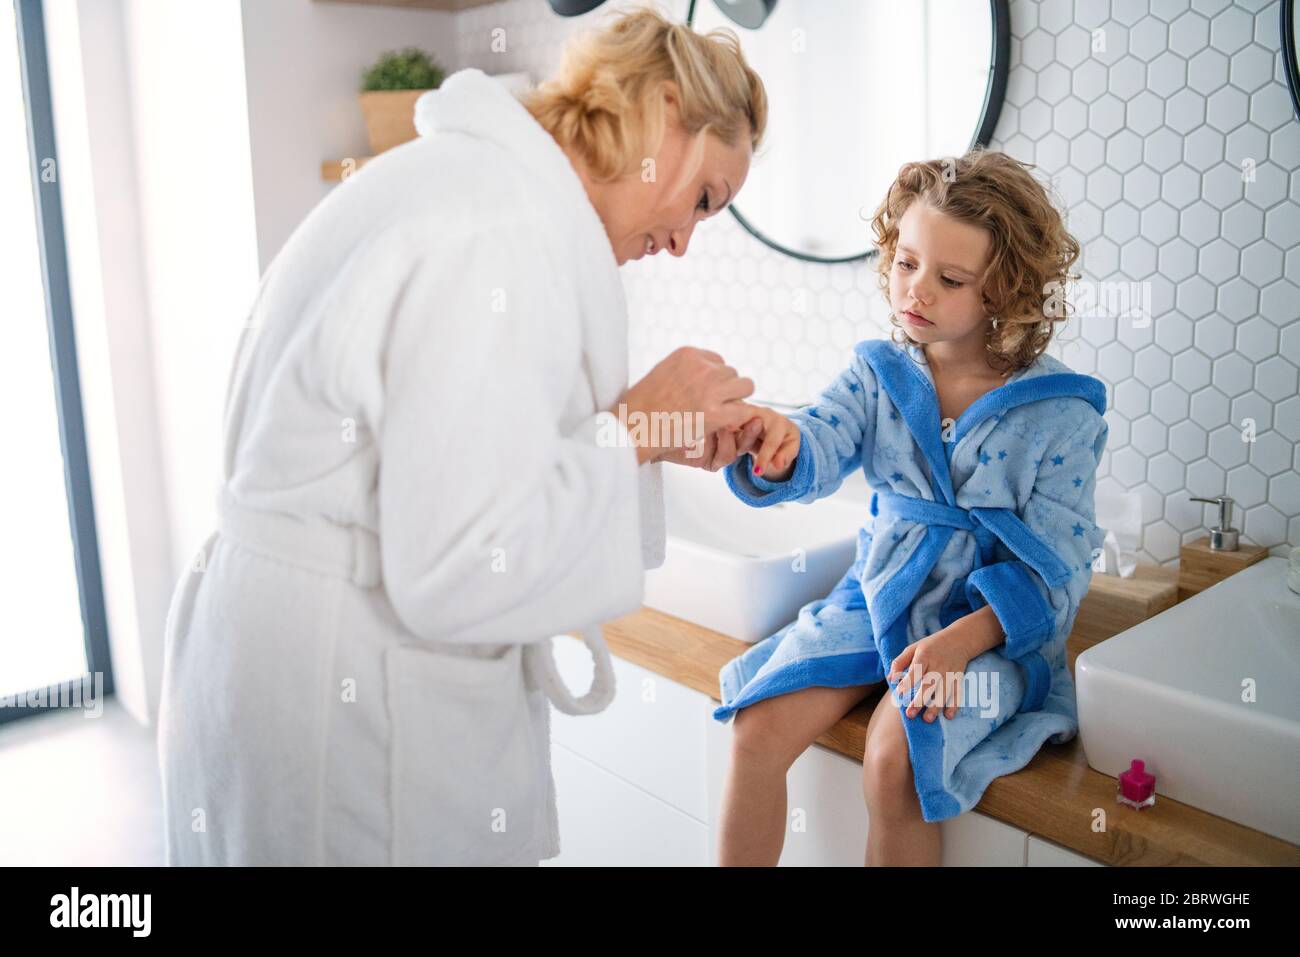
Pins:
<point x="1146" y="143"/>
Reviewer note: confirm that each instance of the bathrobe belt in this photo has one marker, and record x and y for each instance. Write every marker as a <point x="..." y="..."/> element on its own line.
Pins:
<point x="352" y="553"/>
<point x="988" y="525"/>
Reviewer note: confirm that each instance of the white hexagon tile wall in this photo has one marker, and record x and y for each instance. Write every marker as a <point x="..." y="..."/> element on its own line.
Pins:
<point x="1150" y="144"/>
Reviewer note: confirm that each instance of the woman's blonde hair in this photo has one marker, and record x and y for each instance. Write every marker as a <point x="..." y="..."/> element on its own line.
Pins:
<point x="606" y="101"/>
<point x="1030" y="252"/>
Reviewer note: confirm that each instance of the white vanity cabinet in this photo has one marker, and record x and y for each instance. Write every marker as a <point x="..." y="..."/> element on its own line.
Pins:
<point x="607" y="822"/>
<point x="630" y="782"/>
<point x="641" y="784"/>
<point x="1040" y="853"/>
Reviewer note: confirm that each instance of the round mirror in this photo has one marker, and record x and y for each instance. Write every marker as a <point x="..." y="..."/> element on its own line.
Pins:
<point x="855" y="89"/>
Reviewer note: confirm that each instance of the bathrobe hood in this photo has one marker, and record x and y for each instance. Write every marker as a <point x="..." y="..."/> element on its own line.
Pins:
<point x="471" y="103"/>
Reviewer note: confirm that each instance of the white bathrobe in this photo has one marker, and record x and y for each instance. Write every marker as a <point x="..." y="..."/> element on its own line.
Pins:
<point x="419" y="489"/>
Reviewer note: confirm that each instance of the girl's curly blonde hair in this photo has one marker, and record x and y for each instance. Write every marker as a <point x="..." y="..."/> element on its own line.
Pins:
<point x="605" y="102"/>
<point x="1030" y="255"/>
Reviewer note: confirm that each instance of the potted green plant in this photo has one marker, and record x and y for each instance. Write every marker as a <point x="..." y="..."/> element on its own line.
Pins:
<point x="389" y="90"/>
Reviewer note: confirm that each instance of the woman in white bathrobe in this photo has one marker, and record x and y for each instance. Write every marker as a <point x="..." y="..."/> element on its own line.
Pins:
<point x="421" y="480"/>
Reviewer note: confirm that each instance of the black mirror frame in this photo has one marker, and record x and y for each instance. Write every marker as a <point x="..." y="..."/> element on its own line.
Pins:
<point x="994" y="94"/>
<point x="1290" y="55"/>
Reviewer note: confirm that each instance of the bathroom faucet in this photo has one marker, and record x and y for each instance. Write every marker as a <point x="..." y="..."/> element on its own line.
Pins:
<point x="1223" y="537"/>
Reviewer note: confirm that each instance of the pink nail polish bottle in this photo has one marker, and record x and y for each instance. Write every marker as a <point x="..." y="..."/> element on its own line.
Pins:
<point x="1136" y="788"/>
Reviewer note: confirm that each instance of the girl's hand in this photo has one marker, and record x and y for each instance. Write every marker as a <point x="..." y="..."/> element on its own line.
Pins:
<point x="936" y="666"/>
<point x="774" y="459"/>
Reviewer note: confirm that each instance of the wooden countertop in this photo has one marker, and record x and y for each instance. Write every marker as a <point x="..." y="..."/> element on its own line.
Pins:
<point x="1053" y="797"/>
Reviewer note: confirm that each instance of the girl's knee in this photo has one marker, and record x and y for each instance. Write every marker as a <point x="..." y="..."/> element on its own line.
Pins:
<point x="886" y="768"/>
<point x="777" y="730"/>
<point x="757" y="740"/>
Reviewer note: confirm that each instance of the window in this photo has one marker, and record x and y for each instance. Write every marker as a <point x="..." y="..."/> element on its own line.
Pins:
<point x="53" y="634"/>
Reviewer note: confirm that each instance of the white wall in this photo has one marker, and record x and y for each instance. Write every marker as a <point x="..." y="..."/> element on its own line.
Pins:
<point x="304" y="64"/>
<point x="157" y="193"/>
<point x="196" y="205"/>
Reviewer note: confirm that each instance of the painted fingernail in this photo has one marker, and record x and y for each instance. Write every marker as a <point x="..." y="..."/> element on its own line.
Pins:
<point x="758" y="470"/>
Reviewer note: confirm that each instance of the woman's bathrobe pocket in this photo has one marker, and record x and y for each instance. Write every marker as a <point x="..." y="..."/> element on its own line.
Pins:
<point x="449" y="712"/>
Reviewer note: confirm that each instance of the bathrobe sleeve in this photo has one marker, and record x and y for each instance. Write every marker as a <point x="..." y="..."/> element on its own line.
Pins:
<point x="654" y="530"/>
<point x="833" y="433"/>
<point x="1035" y="595"/>
<point x="496" y="526"/>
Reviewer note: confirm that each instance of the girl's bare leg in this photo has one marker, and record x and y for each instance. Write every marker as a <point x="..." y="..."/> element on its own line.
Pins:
<point x="766" y="739"/>
<point x="897" y="834"/>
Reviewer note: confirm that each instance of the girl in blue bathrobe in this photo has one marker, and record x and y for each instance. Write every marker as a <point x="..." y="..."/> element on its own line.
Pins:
<point x="982" y="452"/>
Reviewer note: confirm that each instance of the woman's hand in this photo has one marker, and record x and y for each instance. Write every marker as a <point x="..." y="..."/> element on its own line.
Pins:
<point x="936" y="666"/>
<point x="690" y="395"/>
<point x="719" y="449"/>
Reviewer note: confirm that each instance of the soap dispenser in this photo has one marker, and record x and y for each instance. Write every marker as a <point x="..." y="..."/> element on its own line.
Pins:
<point x="1223" y="537"/>
<point x="1209" y="560"/>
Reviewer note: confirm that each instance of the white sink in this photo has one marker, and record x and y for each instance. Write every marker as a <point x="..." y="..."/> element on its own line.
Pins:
<point x="1170" y="691"/>
<point x="735" y="568"/>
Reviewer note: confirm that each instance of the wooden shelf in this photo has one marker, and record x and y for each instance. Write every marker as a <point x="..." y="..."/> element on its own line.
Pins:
<point x="452" y="5"/>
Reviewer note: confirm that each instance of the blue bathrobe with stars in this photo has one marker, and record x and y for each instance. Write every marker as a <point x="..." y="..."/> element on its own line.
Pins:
<point x="996" y="508"/>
